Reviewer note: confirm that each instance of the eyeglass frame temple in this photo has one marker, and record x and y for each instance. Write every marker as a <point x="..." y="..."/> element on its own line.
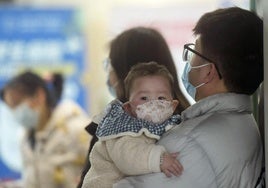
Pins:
<point x="186" y="46"/>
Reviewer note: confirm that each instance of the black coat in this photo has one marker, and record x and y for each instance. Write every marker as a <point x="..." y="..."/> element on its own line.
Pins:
<point x="91" y="129"/>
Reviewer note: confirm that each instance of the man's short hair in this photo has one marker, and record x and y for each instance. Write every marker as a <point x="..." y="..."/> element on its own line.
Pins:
<point x="233" y="38"/>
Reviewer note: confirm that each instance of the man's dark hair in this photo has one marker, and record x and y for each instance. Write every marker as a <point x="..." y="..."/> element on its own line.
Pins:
<point x="233" y="38"/>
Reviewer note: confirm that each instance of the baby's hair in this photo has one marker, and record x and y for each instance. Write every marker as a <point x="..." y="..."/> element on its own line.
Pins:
<point x="147" y="69"/>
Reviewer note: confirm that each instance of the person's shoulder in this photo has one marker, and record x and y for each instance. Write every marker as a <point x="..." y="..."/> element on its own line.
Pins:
<point x="71" y="115"/>
<point x="67" y="106"/>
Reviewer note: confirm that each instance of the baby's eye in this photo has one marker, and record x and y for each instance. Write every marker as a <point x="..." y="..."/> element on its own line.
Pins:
<point x="144" y="98"/>
<point x="162" y="98"/>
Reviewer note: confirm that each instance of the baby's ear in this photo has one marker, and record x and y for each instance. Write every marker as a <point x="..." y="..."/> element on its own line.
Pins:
<point x="126" y="106"/>
<point x="175" y="103"/>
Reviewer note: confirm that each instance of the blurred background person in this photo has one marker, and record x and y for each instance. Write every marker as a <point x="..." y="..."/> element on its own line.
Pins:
<point x="10" y="131"/>
<point x="54" y="145"/>
<point x="137" y="44"/>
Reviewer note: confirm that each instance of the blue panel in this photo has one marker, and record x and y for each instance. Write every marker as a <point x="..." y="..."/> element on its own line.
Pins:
<point x="43" y="40"/>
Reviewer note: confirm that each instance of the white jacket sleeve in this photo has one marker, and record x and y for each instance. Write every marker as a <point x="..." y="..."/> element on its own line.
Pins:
<point x="135" y="155"/>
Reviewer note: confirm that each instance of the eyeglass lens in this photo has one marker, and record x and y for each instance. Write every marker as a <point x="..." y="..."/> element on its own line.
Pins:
<point x="187" y="55"/>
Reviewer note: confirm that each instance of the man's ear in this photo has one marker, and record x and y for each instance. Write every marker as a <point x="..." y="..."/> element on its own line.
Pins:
<point x="211" y="73"/>
<point x="126" y="106"/>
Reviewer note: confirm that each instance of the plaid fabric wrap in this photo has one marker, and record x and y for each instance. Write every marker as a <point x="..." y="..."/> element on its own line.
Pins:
<point x="118" y="122"/>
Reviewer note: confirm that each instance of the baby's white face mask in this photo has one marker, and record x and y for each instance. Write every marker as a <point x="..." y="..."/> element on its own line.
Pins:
<point x="156" y="111"/>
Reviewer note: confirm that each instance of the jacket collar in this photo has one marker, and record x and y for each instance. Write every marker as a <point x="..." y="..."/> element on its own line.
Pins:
<point x="220" y="103"/>
<point x="117" y="123"/>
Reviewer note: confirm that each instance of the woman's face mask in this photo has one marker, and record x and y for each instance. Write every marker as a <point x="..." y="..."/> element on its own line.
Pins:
<point x="111" y="88"/>
<point x="112" y="80"/>
<point x="26" y="116"/>
<point x="156" y="111"/>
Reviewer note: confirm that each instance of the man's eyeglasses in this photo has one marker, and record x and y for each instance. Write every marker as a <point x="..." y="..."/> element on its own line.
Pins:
<point x="188" y="52"/>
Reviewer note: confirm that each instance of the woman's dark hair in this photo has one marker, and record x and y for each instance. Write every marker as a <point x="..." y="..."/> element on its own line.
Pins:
<point x="236" y="46"/>
<point x="56" y="83"/>
<point x="28" y="83"/>
<point x="141" y="44"/>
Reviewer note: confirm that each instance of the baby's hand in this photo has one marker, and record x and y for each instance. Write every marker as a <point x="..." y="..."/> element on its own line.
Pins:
<point x="170" y="165"/>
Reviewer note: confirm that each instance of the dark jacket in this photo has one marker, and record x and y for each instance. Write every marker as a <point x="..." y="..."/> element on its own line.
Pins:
<point x="91" y="129"/>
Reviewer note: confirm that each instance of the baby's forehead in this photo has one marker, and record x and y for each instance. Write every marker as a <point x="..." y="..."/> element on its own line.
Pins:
<point x="150" y="79"/>
<point x="154" y="80"/>
<point x="150" y="84"/>
<point x="151" y="92"/>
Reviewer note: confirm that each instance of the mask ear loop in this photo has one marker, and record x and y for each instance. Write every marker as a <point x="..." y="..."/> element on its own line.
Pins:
<point x="200" y="85"/>
<point x="197" y="67"/>
<point x="111" y="87"/>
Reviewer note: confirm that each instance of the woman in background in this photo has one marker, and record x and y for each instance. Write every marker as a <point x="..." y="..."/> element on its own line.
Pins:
<point x="54" y="145"/>
<point x="138" y="44"/>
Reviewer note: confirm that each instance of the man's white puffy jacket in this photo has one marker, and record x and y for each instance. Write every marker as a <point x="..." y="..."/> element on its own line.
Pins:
<point x="219" y="145"/>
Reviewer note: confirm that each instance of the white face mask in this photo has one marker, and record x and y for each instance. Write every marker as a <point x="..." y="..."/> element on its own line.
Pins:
<point x="112" y="88"/>
<point x="26" y="116"/>
<point x="191" y="90"/>
<point x="156" y="111"/>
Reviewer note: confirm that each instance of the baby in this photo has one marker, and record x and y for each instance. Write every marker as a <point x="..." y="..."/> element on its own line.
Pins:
<point x="127" y="132"/>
